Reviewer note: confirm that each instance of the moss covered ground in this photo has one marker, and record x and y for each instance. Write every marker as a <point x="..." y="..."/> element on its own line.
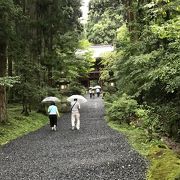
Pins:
<point x="164" y="163"/>
<point x="19" y="125"/>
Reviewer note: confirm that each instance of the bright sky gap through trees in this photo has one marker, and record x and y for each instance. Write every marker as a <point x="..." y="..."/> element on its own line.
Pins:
<point x="85" y="9"/>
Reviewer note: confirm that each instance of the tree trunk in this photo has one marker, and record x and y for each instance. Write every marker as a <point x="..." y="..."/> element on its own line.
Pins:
<point x="3" y="110"/>
<point x="131" y="19"/>
<point x="50" y="75"/>
<point x="26" y="107"/>
<point x="3" y="64"/>
<point x="9" y="91"/>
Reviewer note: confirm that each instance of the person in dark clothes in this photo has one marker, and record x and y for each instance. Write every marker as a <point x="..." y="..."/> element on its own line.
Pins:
<point x="53" y="114"/>
<point x="90" y="93"/>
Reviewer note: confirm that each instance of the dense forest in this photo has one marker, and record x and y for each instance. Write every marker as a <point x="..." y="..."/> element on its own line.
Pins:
<point x="37" y="44"/>
<point x="37" y="55"/>
<point x="140" y="79"/>
<point x="146" y="64"/>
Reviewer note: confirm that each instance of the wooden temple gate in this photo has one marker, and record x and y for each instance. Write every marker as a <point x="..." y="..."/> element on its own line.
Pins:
<point x="94" y="76"/>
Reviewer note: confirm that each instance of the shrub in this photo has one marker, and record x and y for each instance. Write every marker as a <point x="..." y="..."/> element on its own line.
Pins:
<point x="169" y="119"/>
<point x="125" y="109"/>
<point x="148" y="119"/>
<point x="75" y="88"/>
<point x="122" y="109"/>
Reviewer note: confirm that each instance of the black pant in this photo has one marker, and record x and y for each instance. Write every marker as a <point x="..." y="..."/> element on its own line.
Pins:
<point x="53" y="120"/>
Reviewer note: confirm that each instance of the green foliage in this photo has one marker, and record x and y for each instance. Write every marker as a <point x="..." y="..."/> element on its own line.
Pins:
<point x="42" y="38"/>
<point x="148" y="119"/>
<point x="169" y="29"/>
<point x="123" y="37"/>
<point x="108" y="62"/>
<point x="169" y="119"/>
<point x="68" y="65"/>
<point x="84" y="44"/>
<point x="122" y="109"/>
<point x="8" y="13"/>
<point x="19" y="125"/>
<point x="29" y="89"/>
<point x="125" y="109"/>
<point x="146" y="65"/>
<point x="9" y="81"/>
<point x="75" y="88"/>
<point x="104" y="20"/>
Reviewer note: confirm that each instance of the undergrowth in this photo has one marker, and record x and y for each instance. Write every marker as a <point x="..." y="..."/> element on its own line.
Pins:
<point x="19" y="125"/>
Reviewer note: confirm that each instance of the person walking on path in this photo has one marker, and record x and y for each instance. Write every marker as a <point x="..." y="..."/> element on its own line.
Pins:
<point x="90" y="93"/>
<point x="98" y="92"/>
<point x="75" y="115"/>
<point x="53" y="114"/>
<point x="93" y="93"/>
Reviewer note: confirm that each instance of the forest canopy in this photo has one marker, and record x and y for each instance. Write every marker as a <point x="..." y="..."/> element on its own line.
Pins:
<point x="146" y="64"/>
<point x="38" y="40"/>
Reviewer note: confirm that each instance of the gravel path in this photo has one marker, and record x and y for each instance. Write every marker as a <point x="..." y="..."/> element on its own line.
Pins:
<point x="96" y="152"/>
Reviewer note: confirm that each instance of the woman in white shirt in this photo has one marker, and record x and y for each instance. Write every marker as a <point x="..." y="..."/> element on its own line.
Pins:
<point x="53" y="114"/>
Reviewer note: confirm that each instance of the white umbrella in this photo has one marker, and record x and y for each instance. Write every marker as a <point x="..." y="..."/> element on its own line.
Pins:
<point x="79" y="98"/>
<point x="50" y="99"/>
<point x="97" y="87"/>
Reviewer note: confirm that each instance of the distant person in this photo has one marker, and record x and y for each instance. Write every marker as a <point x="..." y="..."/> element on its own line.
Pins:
<point x="93" y="93"/>
<point x="75" y="115"/>
<point x="53" y="114"/>
<point x="98" y="92"/>
<point x="90" y="93"/>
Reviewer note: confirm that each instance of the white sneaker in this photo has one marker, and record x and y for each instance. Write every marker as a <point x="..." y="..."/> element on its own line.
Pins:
<point x="55" y="127"/>
<point x="52" y="128"/>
